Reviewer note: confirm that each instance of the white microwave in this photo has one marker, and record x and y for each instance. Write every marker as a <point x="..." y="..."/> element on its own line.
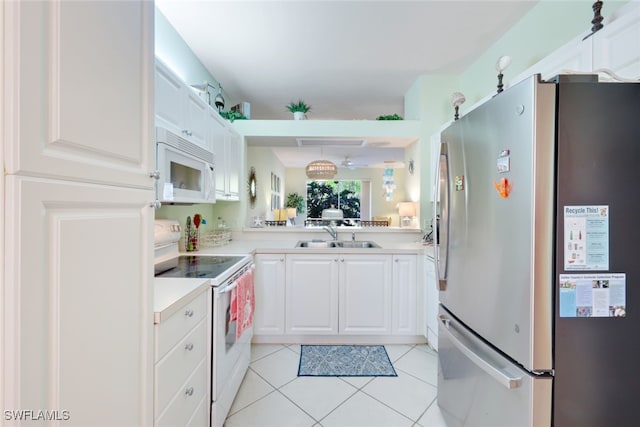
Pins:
<point x="186" y="170"/>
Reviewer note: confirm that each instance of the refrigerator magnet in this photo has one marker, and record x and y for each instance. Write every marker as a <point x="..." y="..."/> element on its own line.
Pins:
<point x="503" y="164"/>
<point x="503" y="187"/>
<point x="459" y="183"/>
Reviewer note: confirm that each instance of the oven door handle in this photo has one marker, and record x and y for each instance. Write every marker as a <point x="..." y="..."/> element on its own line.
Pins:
<point x="229" y="287"/>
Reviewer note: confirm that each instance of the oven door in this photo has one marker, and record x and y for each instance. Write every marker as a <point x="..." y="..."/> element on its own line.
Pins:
<point x="229" y="353"/>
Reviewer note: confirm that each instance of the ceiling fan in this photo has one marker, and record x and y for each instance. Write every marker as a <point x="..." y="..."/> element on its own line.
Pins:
<point x="350" y="164"/>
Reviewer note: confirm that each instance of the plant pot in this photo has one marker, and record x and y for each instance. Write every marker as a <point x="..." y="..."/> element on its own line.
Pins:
<point x="298" y="115"/>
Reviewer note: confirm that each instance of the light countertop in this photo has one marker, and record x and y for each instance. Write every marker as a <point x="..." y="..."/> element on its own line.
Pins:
<point x="171" y="294"/>
<point x="288" y="246"/>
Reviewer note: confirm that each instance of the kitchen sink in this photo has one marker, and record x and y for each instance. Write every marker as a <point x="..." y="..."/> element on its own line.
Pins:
<point x="344" y="244"/>
<point x="315" y="244"/>
<point x="356" y="244"/>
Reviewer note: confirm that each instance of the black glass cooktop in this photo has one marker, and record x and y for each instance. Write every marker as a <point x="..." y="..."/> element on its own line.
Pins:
<point x="192" y="266"/>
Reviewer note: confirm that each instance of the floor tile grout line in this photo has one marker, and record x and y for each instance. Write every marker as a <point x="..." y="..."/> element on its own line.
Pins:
<point x="355" y="392"/>
<point x="394" y="409"/>
<point x="435" y="400"/>
<point x="419" y="379"/>
<point x="250" y="404"/>
<point x="269" y="354"/>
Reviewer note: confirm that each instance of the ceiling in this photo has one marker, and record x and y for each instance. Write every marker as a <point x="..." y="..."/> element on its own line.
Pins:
<point x="347" y="59"/>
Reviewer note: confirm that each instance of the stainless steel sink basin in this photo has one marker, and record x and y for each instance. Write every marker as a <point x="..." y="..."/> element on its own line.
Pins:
<point x="344" y="244"/>
<point x="314" y="244"/>
<point x="356" y="244"/>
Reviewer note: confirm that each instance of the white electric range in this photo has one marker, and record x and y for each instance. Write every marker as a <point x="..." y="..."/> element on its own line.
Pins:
<point x="230" y="351"/>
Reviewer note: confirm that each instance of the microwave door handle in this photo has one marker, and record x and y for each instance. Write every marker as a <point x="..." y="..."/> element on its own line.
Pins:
<point x="505" y="379"/>
<point x="210" y="186"/>
<point x="442" y="234"/>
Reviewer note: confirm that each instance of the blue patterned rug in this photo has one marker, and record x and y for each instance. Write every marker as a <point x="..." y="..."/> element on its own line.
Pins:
<point x="345" y="361"/>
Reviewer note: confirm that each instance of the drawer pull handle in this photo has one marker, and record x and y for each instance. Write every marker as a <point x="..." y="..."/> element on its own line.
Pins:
<point x="189" y="391"/>
<point x="188" y="313"/>
<point x="189" y="347"/>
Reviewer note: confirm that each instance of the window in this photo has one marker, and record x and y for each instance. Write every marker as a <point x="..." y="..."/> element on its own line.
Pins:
<point x="345" y="195"/>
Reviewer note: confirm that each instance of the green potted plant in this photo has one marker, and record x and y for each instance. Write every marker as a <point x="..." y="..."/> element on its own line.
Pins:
<point x="390" y="117"/>
<point x="299" y="109"/>
<point x="232" y="115"/>
<point x="294" y="200"/>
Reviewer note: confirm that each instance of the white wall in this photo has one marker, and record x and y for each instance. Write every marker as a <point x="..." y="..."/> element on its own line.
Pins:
<point x="265" y="163"/>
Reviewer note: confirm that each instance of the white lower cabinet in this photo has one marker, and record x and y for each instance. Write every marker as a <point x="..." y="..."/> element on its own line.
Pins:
<point x="335" y="294"/>
<point x="405" y="295"/>
<point x="269" y="283"/>
<point x="365" y="294"/>
<point x="311" y="303"/>
<point x="182" y="368"/>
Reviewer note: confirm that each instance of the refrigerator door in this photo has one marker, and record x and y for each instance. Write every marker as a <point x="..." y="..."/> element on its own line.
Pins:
<point x="498" y="230"/>
<point x="597" y="381"/>
<point x="479" y="387"/>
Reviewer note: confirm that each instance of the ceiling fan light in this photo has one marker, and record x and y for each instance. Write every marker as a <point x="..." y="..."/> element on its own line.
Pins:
<point x="321" y="169"/>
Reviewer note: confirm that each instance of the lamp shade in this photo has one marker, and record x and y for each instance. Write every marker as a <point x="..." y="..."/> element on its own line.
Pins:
<point x="321" y="169"/>
<point x="407" y="209"/>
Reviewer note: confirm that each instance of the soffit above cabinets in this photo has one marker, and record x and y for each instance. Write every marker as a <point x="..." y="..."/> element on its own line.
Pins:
<point x="296" y="143"/>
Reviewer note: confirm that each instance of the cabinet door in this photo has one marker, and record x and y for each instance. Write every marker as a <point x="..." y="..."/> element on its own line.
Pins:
<point x="312" y="294"/>
<point x="405" y="301"/>
<point x="617" y="46"/>
<point x="79" y="92"/>
<point x="234" y="164"/>
<point x="270" y="294"/>
<point x="169" y="100"/>
<point x="365" y="294"/>
<point x="217" y="135"/>
<point x="196" y="116"/>
<point x="79" y="286"/>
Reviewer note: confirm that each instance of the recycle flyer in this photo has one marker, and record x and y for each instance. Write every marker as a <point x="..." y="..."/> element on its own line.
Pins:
<point x="586" y="237"/>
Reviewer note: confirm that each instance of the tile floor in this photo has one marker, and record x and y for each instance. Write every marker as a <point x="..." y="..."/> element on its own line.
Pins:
<point x="273" y="395"/>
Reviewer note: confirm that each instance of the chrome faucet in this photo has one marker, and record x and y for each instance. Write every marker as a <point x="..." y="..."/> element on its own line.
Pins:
<point x="332" y="231"/>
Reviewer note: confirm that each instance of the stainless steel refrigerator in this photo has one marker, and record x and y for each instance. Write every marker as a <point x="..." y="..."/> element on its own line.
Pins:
<point x="538" y="259"/>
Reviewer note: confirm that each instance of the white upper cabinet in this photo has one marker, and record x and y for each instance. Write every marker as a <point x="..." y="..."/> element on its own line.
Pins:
<point x="227" y="147"/>
<point x="168" y="100"/>
<point x="78" y="104"/>
<point x="179" y="108"/>
<point x="617" y="45"/>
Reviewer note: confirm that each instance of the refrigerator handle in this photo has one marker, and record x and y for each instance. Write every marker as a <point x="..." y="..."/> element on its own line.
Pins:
<point x="504" y="378"/>
<point x="441" y="241"/>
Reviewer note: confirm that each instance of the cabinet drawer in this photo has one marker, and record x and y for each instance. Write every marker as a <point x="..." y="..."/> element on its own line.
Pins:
<point x="173" y="369"/>
<point x="187" y="399"/>
<point x="200" y="416"/>
<point x="168" y="333"/>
